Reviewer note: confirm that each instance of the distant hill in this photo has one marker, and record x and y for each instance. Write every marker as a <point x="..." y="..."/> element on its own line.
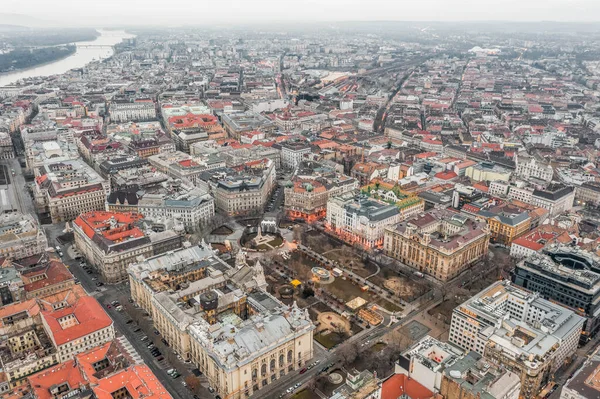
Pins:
<point x="21" y="20"/>
<point x="12" y="28"/>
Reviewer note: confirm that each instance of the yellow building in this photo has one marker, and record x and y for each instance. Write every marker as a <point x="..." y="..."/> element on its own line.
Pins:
<point x="440" y="243"/>
<point x="505" y="226"/>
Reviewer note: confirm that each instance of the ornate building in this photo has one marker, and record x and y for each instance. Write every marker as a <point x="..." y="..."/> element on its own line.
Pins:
<point x="440" y="243"/>
<point x="222" y="319"/>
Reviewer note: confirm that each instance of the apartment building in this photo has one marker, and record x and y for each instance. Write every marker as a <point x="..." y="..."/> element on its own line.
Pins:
<point x="505" y="222"/>
<point x="20" y="236"/>
<point x="78" y="327"/>
<point x="440" y="243"/>
<point x="474" y="377"/>
<point x="308" y="192"/>
<point x="487" y="171"/>
<point x="528" y="167"/>
<point x="222" y="319"/>
<point x="583" y="383"/>
<point x="46" y="330"/>
<point x="588" y="193"/>
<point x="190" y="206"/>
<point x="360" y="220"/>
<point x="110" y="241"/>
<point x="292" y="152"/>
<point x="519" y="330"/>
<point x="66" y="189"/>
<point x="45" y="279"/>
<point x="37" y="153"/>
<point x="134" y="111"/>
<point x="7" y="150"/>
<point x="180" y="165"/>
<point x="244" y="189"/>
<point x="564" y="275"/>
<point x="103" y="371"/>
<point x="238" y="123"/>
<point x="556" y="198"/>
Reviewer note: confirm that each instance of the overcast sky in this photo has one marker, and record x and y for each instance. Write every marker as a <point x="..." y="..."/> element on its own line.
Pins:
<point x="139" y="12"/>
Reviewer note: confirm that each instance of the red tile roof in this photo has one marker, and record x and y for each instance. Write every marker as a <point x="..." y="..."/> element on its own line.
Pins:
<point x="139" y="381"/>
<point x="54" y="272"/>
<point x="66" y="372"/>
<point x="399" y="384"/>
<point x="89" y="316"/>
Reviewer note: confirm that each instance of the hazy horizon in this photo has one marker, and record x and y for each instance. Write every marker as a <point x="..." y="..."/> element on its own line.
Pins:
<point x="203" y="12"/>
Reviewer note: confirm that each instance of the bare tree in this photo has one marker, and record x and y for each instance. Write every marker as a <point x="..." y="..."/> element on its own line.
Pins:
<point x="340" y="329"/>
<point x="193" y="383"/>
<point x="348" y="352"/>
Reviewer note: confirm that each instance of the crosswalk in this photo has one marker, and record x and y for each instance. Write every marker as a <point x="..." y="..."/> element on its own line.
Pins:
<point x="130" y="350"/>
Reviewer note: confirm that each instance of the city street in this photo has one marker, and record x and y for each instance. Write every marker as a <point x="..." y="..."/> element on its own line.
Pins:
<point x="109" y="293"/>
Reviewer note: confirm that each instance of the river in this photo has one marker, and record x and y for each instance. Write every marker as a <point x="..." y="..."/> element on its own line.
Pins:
<point x="81" y="57"/>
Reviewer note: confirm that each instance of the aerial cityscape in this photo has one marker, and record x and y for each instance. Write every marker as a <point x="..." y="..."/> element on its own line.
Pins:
<point x="327" y="208"/>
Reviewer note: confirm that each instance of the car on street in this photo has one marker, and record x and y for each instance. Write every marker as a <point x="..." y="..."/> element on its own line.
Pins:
<point x="137" y="329"/>
<point x="129" y="321"/>
<point x="175" y="374"/>
<point x="183" y="383"/>
<point x="108" y="306"/>
<point x="304" y="370"/>
<point x="211" y="389"/>
<point x="144" y="338"/>
<point x="161" y="357"/>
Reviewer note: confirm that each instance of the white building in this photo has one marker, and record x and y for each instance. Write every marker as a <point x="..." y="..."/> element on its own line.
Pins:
<point x="360" y="220"/>
<point x="528" y="167"/>
<point x="20" y="236"/>
<point x="137" y="111"/>
<point x="292" y="153"/>
<point x="518" y="329"/>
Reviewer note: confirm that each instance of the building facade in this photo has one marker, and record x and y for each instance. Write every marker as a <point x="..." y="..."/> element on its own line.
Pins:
<point x="440" y="243"/>
<point x="360" y="220"/>
<point x="517" y="329"/>
<point x="110" y="241"/>
<point x="237" y="334"/>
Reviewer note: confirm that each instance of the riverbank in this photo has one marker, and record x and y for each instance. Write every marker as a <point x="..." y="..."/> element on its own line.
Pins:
<point x="99" y="49"/>
<point x="13" y="59"/>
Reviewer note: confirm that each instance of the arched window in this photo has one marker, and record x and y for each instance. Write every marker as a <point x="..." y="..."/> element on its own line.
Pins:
<point x="290" y="356"/>
<point x="263" y="370"/>
<point x="272" y="364"/>
<point x="281" y="359"/>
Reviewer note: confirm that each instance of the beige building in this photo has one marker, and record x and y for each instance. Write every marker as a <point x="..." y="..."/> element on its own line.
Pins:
<point x="110" y="241"/>
<point x="63" y="190"/>
<point x="518" y="330"/>
<point x="20" y="236"/>
<point x="241" y="190"/>
<point x="222" y="319"/>
<point x="440" y="243"/>
<point x="307" y="194"/>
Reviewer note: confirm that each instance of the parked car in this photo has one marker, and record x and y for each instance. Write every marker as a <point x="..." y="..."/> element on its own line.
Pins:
<point x="304" y="370"/>
<point x="137" y="329"/>
<point x="161" y="357"/>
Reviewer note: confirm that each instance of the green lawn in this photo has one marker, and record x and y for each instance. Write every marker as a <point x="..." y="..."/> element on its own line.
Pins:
<point x="328" y="340"/>
<point x="347" y="290"/>
<point x="305" y="394"/>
